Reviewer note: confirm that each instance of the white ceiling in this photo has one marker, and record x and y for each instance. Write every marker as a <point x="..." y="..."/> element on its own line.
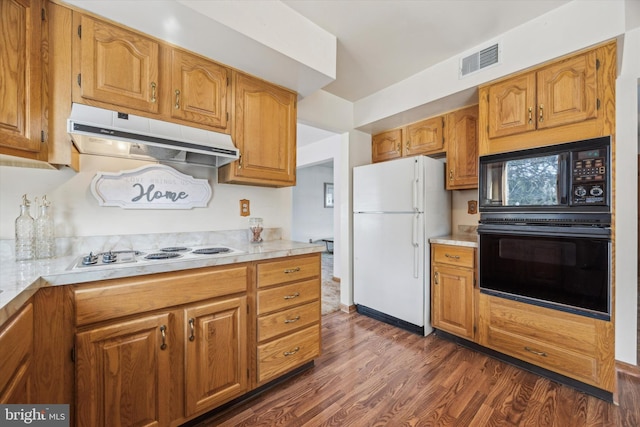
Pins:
<point x="382" y="42"/>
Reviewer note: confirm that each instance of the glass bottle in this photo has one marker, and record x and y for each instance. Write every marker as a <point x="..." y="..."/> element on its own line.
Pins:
<point x="25" y="232"/>
<point x="45" y="233"/>
<point x="255" y="225"/>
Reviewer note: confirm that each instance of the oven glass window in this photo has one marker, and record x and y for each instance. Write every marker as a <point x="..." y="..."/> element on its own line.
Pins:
<point x="523" y="182"/>
<point x="570" y="272"/>
<point x="531" y="182"/>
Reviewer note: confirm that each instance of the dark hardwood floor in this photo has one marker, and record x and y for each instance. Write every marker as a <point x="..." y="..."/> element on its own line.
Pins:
<point x="373" y="374"/>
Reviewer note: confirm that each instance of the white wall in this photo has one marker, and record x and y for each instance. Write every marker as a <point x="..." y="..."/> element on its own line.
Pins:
<point x="626" y="191"/>
<point x="330" y="150"/>
<point x="77" y="213"/>
<point x="311" y="220"/>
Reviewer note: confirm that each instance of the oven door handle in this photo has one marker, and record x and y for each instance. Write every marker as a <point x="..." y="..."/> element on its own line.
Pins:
<point x="545" y="230"/>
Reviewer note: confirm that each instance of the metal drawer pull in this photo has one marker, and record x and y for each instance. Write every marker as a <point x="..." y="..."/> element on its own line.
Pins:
<point x="292" y="296"/>
<point x="436" y="277"/>
<point x="539" y="353"/>
<point x="153" y="92"/>
<point x="177" y="105"/>
<point x="163" y="331"/>
<point x="452" y="256"/>
<point x="192" y="328"/>
<point x="292" y="270"/>
<point x="292" y="352"/>
<point x="295" y="319"/>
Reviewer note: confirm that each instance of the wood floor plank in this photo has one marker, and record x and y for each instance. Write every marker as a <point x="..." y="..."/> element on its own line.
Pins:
<point x="373" y="374"/>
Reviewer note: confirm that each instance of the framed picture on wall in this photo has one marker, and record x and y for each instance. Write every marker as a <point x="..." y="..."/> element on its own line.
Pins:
<point x="328" y="194"/>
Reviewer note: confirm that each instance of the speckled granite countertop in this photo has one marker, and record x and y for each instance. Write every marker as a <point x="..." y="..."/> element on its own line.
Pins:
<point x="469" y="240"/>
<point x="20" y="280"/>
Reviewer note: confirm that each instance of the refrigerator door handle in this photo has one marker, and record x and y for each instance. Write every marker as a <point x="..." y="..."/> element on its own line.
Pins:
<point x="416" y="246"/>
<point x="416" y="177"/>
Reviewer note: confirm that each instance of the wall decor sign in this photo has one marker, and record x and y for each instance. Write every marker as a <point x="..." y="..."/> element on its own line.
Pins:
<point x="150" y="187"/>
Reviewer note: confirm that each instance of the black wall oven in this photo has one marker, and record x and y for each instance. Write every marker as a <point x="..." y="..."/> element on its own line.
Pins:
<point x="548" y="242"/>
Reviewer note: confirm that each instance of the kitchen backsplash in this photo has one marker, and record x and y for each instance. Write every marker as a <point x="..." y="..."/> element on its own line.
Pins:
<point x="83" y="245"/>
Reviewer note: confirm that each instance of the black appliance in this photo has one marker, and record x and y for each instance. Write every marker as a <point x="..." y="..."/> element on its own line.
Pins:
<point x="545" y="227"/>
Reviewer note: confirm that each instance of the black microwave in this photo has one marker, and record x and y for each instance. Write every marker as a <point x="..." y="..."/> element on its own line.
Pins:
<point x="571" y="177"/>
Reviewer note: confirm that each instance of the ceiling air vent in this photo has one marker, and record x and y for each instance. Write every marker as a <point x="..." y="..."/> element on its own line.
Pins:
<point x="479" y="60"/>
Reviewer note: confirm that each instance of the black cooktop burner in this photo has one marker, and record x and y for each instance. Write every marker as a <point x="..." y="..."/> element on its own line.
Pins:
<point x="163" y="255"/>
<point x="211" y="251"/>
<point x="175" y="249"/>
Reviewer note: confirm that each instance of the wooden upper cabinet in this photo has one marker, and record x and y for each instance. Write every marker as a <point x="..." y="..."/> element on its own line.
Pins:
<point x="556" y="95"/>
<point x="424" y="137"/>
<point x="199" y="90"/>
<point x="386" y="145"/>
<point x="264" y="132"/>
<point x="462" y="149"/>
<point x="420" y="138"/>
<point x="567" y="91"/>
<point x="512" y="106"/>
<point x="117" y="66"/>
<point x="21" y="123"/>
<point x="567" y="100"/>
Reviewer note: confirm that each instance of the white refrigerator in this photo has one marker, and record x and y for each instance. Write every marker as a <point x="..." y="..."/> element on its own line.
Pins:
<point x="397" y="206"/>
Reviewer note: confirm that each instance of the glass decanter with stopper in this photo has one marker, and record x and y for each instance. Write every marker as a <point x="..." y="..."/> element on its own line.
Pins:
<point x="45" y="232"/>
<point x="25" y="232"/>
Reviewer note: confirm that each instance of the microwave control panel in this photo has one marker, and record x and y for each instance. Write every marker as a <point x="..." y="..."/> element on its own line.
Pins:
<point x="589" y="177"/>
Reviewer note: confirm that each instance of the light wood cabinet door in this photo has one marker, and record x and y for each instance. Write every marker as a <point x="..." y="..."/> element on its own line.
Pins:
<point x="16" y="358"/>
<point x="462" y="149"/>
<point x="199" y="90"/>
<point x="117" y="66"/>
<point x="123" y="373"/>
<point x="567" y="92"/>
<point x="264" y="132"/>
<point x="453" y="300"/>
<point x="386" y="145"/>
<point x="570" y="99"/>
<point x="512" y="106"/>
<point x="452" y="289"/>
<point x="216" y="353"/>
<point x="424" y="137"/>
<point x="20" y="76"/>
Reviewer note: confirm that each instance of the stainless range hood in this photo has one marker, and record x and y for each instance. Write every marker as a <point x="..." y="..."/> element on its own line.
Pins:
<point x="109" y="133"/>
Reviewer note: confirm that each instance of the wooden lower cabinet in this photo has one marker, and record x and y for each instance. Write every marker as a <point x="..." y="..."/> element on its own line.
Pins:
<point x="16" y="358"/>
<point x="216" y="367"/>
<point x="161" y="349"/>
<point x="123" y="373"/>
<point x="288" y="307"/>
<point x="452" y="290"/>
<point x="575" y="346"/>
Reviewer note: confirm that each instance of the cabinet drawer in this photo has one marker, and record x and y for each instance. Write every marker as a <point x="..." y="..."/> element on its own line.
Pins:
<point x="287" y="270"/>
<point x="576" y="346"/>
<point x="284" y="354"/>
<point x="543" y="354"/>
<point x="121" y="297"/>
<point x="454" y="255"/>
<point x="287" y="296"/>
<point x="278" y="323"/>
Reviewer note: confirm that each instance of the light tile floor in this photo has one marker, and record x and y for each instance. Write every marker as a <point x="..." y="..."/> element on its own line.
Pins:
<point x="330" y="287"/>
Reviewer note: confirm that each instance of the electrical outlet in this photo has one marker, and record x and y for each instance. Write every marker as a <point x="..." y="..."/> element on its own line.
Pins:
<point x="472" y="207"/>
<point x="244" y="208"/>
